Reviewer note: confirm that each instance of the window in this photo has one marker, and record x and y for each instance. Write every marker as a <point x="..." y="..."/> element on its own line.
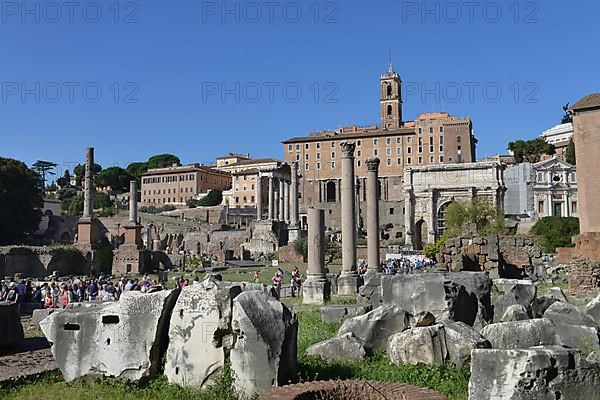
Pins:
<point x="318" y="145"/>
<point x="297" y="147"/>
<point x="388" y="151"/>
<point x="458" y="139"/>
<point x="431" y="159"/>
<point x="540" y="207"/>
<point x="389" y="110"/>
<point x="420" y="160"/>
<point x="359" y="153"/>
<point x="391" y="211"/>
<point x="420" y="130"/>
<point x="388" y="141"/>
<point x="375" y="152"/>
<point x="358" y="142"/>
<point x="332" y="144"/>
<point x="318" y="165"/>
<point x="389" y="161"/>
<point x="306" y="166"/>
<point x="441" y="129"/>
<point x="333" y="165"/>
<point x="430" y="139"/>
<point x="398" y="150"/>
<point x="409" y="160"/>
<point x="358" y="163"/>
<point x="458" y="147"/>
<point x="431" y="149"/>
<point x="374" y="142"/>
<point x="409" y="139"/>
<point x="306" y="156"/>
<point x="420" y="149"/>
<point x="333" y="154"/>
<point x="420" y="141"/>
<point x="318" y="156"/>
<point x="306" y="146"/>
<point x="441" y="159"/>
<point x="289" y="147"/>
<point x="441" y="149"/>
<point x="431" y="129"/>
<point x="441" y="140"/>
<point x="399" y="161"/>
<point x="574" y="207"/>
<point x="297" y="157"/>
<point x="409" y="150"/>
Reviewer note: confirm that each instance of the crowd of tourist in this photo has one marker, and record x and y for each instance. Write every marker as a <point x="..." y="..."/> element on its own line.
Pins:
<point x="406" y="265"/>
<point x="61" y="294"/>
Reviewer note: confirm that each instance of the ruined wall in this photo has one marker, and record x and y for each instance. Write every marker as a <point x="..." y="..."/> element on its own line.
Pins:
<point x="502" y="256"/>
<point x="39" y="262"/>
<point x="584" y="278"/>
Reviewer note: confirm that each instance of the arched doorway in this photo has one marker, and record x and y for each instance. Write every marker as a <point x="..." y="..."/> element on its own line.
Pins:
<point x="330" y="192"/>
<point x="420" y="237"/>
<point x="441" y="219"/>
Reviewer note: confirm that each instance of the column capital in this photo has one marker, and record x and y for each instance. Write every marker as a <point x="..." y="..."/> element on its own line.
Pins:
<point x="348" y="149"/>
<point x="373" y="164"/>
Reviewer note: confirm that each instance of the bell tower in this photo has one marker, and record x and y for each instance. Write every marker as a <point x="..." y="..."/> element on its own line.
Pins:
<point x="391" y="99"/>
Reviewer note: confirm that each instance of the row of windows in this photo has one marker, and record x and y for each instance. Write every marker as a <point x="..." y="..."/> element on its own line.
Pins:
<point x="431" y="130"/>
<point x="388" y="152"/>
<point x="166" y="200"/>
<point x="388" y="161"/>
<point x="245" y="199"/>
<point x="237" y="189"/>
<point x="167" y="191"/>
<point x="388" y="141"/>
<point x="169" y="179"/>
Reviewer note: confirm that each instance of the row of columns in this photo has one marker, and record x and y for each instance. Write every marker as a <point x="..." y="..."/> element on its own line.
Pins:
<point x="282" y="198"/>
<point x="348" y="279"/>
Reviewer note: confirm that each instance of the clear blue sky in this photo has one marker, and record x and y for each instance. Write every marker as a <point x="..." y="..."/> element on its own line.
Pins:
<point x="172" y="57"/>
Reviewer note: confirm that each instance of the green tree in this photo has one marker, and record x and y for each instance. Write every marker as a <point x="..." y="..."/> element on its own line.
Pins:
<point x="137" y="169"/>
<point x="79" y="171"/>
<point x="73" y="206"/>
<point x="213" y="198"/>
<point x="530" y="150"/>
<point x="567" y="118"/>
<point x="66" y="192"/>
<point x="65" y="180"/>
<point x="116" y="178"/>
<point x="162" y="161"/>
<point x="44" y="168"/>
<point x="20" y="201"/>
<point x="553" y="232"/>
<point x="570" y="153"/>
<point x="478" y="212"/>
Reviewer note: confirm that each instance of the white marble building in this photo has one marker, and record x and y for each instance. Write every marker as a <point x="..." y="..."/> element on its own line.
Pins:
<point x="555" y="188"/>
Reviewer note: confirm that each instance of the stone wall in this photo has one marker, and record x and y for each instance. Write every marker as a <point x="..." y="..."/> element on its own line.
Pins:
<point x="584" y="278"/>
<point x="501" y="256"/>
<point x="39" y="262"/>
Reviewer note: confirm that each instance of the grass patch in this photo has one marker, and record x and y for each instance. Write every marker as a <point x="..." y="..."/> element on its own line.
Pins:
<point x="451" y="381"/>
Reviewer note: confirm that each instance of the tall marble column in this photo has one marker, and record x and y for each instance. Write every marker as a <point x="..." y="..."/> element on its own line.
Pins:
<point x="281" y="199"/>
<point x="133" y="202"/>
<point x="294" y="209"/>
<point x="271" y="198"/>
<point x="372" y="215"/>
<point x="258" y="197"/>
<point x="88" y="194"/>
<point x="316" y="288"/>
<point x="348" y="281"/>
<point x="286" y="202"/>
<point x="276" y="201"/>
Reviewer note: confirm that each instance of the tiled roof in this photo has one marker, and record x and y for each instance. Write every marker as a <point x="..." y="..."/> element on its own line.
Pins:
<point x="589" y="101"/>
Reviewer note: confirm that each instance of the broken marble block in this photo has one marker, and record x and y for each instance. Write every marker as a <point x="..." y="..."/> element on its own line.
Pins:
<point x="124" y="339"/>
<point x="545" y="372"/>
<point x="200" y="334"/>
<point x="264" y="353"/>
<point x="343" y="347"/>
<point x="375" y="327"/>
<point x="419" y="345"/>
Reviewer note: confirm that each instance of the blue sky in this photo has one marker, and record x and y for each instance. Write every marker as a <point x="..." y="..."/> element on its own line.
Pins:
<point x="201" y="78"/>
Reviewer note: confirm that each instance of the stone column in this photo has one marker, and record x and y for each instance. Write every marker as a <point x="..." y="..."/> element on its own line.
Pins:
<point x="348" y="281"/>
<point x="133" y="202"/>
<point x="286" y="202"/>
<point x="88" y="194"/>
<point x="316" y="288"/>
<point x="275" y="201"/>
<point x="294" y="228"/>
<point x="259" y="197"/>
<point x="271" y="198"/>
<point x="281" y="199"/>
<point x="372" y="215"/>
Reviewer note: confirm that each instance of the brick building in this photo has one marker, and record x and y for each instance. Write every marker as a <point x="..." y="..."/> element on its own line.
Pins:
<point x="175" y="185"/>
<point x="431" y="139"/>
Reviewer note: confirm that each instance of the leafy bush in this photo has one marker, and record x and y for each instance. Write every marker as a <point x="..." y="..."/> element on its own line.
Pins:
<point x="479" y="212"/>
<point x="433" y="249"/>
<point x="301" y="247"/>
<point x="213" y="198"/>
<point x="553" y="232"/>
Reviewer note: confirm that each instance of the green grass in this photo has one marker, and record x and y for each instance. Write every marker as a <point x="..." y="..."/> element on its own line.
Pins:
<point x="448" y="380"/>
<point x="451" y="381"/>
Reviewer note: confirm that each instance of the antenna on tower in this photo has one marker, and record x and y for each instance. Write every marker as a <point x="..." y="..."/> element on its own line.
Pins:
<point x="390" y="69"/>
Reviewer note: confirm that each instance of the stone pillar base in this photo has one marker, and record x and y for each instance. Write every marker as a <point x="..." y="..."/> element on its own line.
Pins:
<point x="348" y="284"/>
<point x="316" y="290"/>
<point x="293" y="234"/>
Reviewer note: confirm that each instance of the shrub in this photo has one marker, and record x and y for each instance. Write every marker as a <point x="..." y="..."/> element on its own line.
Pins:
<point x="480" y="213"/>
<point x="301" y="247"/>
<point x="433" y="249"/>
<point x="553" y="232"/>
